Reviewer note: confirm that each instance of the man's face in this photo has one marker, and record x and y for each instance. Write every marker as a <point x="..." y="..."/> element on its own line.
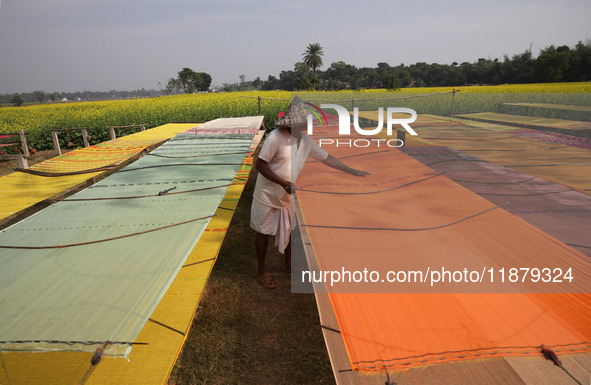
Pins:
<point x="296" y="130"/>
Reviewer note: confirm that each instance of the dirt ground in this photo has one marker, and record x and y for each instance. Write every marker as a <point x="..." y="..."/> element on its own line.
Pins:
<point x="7" y="166"/>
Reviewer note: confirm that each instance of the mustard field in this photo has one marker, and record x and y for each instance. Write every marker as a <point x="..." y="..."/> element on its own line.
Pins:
<point x="39" y="120"/>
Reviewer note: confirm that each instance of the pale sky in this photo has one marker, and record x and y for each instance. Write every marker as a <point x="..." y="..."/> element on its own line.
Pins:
<point x="79" y="45"/>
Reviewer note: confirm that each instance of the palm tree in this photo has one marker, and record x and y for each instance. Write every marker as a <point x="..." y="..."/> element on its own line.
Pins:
<point x="313" y="58"/>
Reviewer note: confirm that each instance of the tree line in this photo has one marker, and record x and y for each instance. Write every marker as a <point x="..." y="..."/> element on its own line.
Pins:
<point x="553" y="64"/>
<point x="44" y="97"/>
<point x="187" y="81"/>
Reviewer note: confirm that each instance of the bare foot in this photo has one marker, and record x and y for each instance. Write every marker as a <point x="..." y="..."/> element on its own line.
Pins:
<point x="267" y="281"/>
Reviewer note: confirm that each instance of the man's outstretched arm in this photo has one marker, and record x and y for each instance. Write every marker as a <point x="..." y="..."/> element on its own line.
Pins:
<point x="333" y="162"/>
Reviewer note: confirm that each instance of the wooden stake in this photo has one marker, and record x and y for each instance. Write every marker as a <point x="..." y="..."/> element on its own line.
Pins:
<point x="259" y="105"/>
<point x="85" y="137"/>
<point x="21" y="133"/>
<point x="56" y="142"/>
<point x="21" y="161"/>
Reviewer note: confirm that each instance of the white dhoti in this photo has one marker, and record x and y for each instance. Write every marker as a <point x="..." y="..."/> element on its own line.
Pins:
<point x="272" y="221"/>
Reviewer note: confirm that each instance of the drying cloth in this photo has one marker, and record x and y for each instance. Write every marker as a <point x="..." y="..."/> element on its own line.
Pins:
<point x="92" y="268"/>
<point x="410" y="221"/>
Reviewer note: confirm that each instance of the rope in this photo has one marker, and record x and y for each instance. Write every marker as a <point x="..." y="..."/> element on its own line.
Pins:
<point x="70" y="343"/>
<point x="331" y="329"/>
<point x="102" y="240"/>
<point x="479" y="139"/>
<point x="406" y="229"/>
<point x="4" y="368"/>
<point x="455" y="353"/>
<point x="347" y="100"/>
<point x="161" y="193"/>
<point x="449" y="160"/>
<point x="182" y="164"/>
<point x="353" y="156"/>
<point x="523" y="195"/>
<point x="194" y="156"/>
<point x="411" y="377"/>
<point x="584" y="247"/>
<point x="344" y="137"/>
<point x="388" y="382"/>
<point x="53" y="174"/>
<point x="545" y="165"/>
<point x="94" y="360"/>
<point x="133" y="125"/>
<point x="550" y="355"/>
<point x="371" y="192"/>
<point x="514" y="149"/>
<point x="469" y="181"/>
<point x="199" y="262"/>
<point x="365" y="153"/>
<point x="226" y="208"/>
<point x="166" y="326"/>
<point x="166" y="191"/>
<point x="245" y="137"/>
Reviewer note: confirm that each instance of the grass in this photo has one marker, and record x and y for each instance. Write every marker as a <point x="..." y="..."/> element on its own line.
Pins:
<point x="245" y="334"/>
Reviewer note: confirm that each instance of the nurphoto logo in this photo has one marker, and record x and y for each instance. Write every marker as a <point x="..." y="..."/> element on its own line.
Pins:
<point x="345" y="125"/>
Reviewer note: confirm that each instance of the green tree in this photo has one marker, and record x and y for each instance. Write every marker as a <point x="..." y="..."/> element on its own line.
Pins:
<point x="17" y="100"/>
<point x="257" y="83"/>
<point x="579" y="67"/>
<point x="341" y="75"/>
<point x="301" y="74"/>
<point x="519" y="68"/>
<point x="228" y="87"/>
<point x="552" y="64"/>
<point x="205" y="81"/>
<point x="173" y="85"/>
<point x="40" y="96"/>
<point x="391" y="82"/>
<point x="313" y="58"/>
<point x="189" y="80"/>
<point x="272" y="83"/>
<point x="383" y="69"/>
<point x="404" y="76"/>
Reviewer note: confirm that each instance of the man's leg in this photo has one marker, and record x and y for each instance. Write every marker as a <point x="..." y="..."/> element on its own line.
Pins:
<point x="288" y="257"/>
<point x="260" y="246"/>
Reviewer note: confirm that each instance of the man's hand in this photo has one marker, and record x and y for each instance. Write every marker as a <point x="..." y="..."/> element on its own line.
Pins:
<point x="263" y="167"/>
<point x="333" y="162"/>
<point x="359" y="172"/>
<point x="289" y="187"/>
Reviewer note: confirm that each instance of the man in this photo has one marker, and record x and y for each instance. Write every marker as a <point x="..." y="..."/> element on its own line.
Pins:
<point x="280" y="161"/>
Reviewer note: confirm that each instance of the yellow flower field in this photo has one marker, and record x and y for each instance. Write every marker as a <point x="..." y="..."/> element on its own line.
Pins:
<point x="39" y="120"/>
